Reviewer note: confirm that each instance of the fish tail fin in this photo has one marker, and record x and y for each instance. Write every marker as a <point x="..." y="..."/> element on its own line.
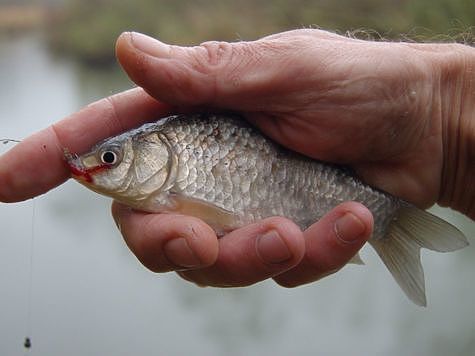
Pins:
<point x="411" y="230"/>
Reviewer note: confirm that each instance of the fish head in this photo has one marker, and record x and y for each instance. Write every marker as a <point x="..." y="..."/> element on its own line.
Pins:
<point x="129" y="168"/>
<point x="104" y="168"/>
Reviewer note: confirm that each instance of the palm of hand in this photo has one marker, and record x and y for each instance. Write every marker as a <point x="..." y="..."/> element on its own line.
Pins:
<point x="365" y="104"/>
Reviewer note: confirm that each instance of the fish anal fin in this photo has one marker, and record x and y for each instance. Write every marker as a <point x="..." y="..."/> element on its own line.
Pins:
<point x="357" y="260"/>
<point x="221" y="220"/>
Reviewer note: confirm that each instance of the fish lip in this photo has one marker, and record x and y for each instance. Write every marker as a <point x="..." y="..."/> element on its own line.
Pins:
<point x="79" y="173"/>
<point x="77" y="170"/>
<point x="85" y="175"/>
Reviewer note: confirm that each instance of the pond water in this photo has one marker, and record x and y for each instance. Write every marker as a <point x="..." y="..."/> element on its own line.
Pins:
<point x="90" y="296"/>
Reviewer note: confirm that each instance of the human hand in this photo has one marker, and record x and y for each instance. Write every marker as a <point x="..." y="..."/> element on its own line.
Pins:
<point x="320" y="87"/>
<point x="385" y="109"/>
<point x="378" y="107"/>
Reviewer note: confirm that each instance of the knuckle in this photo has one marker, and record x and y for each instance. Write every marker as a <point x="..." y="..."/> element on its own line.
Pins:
<point x="216" y="57"/>
<point x="114" y="122"/>
<point x="148" y="248"/>
<point x="217" y="53"/>
<point x="156" y="232"/>
<point x="283" y="225"/>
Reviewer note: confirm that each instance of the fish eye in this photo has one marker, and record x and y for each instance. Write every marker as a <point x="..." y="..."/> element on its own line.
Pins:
<point x="109" y="157"/>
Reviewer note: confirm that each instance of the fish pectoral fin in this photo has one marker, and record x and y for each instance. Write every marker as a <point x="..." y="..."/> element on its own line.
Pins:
<point x="221" y="220"/>
<point x="411" y="230"/>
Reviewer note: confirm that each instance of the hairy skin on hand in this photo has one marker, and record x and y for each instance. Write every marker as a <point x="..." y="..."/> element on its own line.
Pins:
<point x="376" y="106"/>
<point x="457" y="91"/>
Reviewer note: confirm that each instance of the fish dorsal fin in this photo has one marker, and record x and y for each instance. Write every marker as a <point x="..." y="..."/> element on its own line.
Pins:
<point x="221" y="220"/>
<point x="411" y="230"/>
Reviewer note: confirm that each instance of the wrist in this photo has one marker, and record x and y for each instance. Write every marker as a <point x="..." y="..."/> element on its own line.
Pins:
<point x="457" y="106"/>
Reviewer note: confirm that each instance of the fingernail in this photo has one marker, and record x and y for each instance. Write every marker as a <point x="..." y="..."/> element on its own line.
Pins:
<point x="180" y="254"/>
<point x="149" y="45"/>
<point x="272" y="249"/>
<point x="349" y="228"/>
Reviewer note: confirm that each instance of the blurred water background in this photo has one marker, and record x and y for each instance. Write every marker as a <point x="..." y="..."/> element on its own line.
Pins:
<point x="89" y="295"/>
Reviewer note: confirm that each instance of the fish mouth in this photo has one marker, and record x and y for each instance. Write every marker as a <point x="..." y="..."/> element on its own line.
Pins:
<point x="79" y="173"/>
<point x="77" y="169"/>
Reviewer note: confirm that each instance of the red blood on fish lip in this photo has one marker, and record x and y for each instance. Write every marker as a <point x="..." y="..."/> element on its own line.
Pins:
<point x="85" y="173"/>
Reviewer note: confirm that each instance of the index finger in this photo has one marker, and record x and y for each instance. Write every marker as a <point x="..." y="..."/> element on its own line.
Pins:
<point x="37" y="164"/>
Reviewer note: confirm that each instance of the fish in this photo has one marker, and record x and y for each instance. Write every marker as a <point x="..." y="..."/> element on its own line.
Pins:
<point x="223" y="170"/>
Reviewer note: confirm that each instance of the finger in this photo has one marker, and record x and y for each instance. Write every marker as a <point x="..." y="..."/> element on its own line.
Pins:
<point x="330" y="244"/>
<point x="252" y="254"/>
<point x="36" y="164"/>
<point x="309" y="33"/>
<point x="166" y="242"/>
<point x="240" y="75"/>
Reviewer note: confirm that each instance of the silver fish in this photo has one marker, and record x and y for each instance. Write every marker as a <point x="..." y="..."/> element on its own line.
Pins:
<point x="224" y="171"/>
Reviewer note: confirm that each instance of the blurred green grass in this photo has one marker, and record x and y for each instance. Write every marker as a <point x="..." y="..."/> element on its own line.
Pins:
<point x="87" y="29"/>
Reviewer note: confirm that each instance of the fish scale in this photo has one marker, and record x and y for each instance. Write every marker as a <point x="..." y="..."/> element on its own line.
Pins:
<point x="224" y="171"/>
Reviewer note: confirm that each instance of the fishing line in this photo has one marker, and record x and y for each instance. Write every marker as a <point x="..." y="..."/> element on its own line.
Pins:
<point x="27" y="341"/>
<point x="8" y="140"/>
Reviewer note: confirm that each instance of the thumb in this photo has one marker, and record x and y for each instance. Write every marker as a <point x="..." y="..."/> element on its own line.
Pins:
<point x="240" y="75"/>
